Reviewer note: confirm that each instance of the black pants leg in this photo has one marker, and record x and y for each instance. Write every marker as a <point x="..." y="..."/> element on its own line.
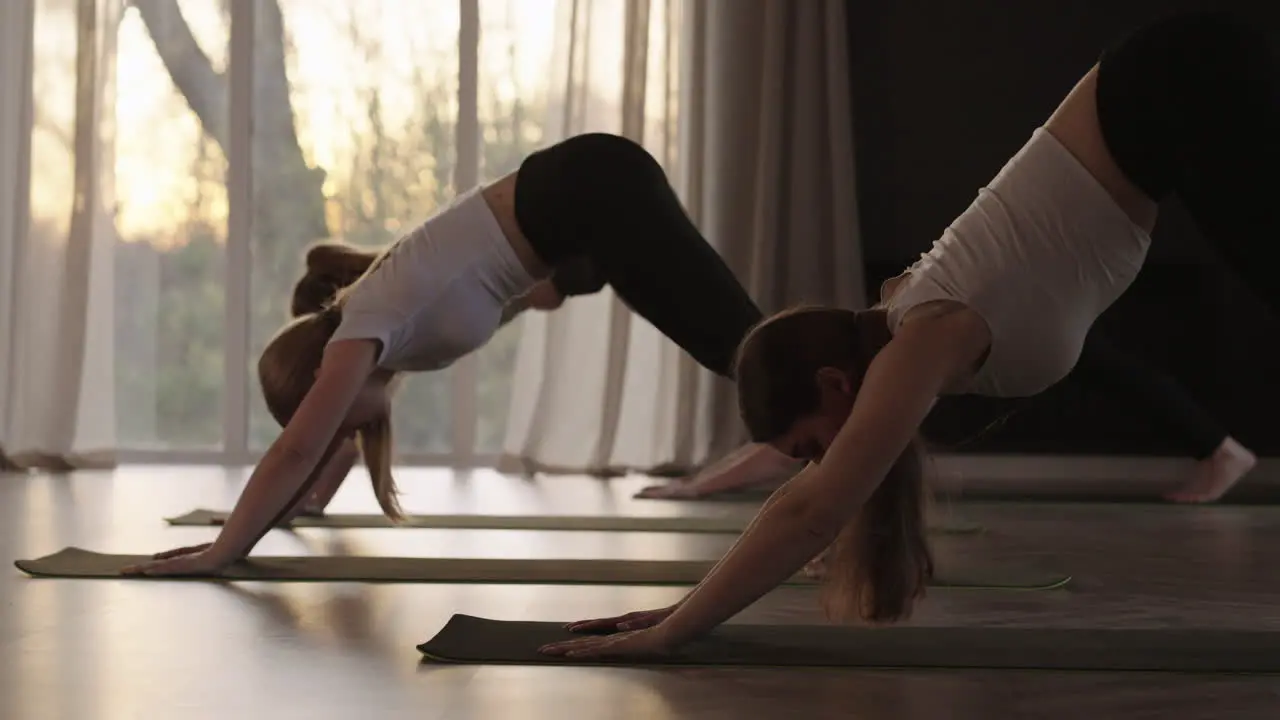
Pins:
<point x="604" y="199"/>
<point x="1155" y="393"/>
<point x="1120" y="375"/>
<point x="1191" y="105"/>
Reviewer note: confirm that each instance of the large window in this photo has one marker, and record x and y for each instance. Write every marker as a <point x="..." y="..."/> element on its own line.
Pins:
<point x="232" y="134"/>
<point x="361" y="116"/>
<point x="354" y="140"/>
<point x="171" y="218"/>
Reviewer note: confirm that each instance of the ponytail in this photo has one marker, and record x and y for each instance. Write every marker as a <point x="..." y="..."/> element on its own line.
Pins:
<point x="331" y="267"/>
<point x="374" y="440"/>
<point x="881" y="563"/>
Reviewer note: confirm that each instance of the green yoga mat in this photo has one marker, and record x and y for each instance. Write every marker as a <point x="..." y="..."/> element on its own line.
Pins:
<point x="467" y="639"/>
<point x="607" y="523"/>
<point x="74" y="562"/>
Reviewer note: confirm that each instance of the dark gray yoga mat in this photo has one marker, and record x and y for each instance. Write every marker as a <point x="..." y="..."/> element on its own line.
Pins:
<point x="75" y="562"/>
<point x="757" y="495"/>
<point x="467" y="639"/>
<point x="607" y="523"/>
<point x="480" y="641"/>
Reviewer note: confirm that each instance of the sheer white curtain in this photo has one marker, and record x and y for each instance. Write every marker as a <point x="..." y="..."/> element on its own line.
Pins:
<point x="57" y="406"/>
<point x="770" y="111"/>
<point x="765" y="166"/>
<point x="596" y="388"/>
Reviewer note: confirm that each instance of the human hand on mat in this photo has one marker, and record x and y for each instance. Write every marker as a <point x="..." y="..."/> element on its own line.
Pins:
<point x="638" y="620"/>
<point x="636" y="643"/>
<point x="678" y="489"/>
<point x="193" y="560"/>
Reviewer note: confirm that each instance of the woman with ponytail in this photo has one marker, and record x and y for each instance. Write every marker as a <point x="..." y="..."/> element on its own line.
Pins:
<point x="332" y="266"/>
<point x="1220" y="459"/>
<point x="592" y="210"/>
<point x="1000" y="306"/>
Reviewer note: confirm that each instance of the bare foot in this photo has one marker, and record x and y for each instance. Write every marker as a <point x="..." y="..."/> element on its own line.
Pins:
<point x="750" y="466"/>
<point x="1216" y="474"/>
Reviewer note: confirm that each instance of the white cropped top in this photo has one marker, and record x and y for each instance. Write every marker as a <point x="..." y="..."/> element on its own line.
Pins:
<point x="440" y="292"/>
<point x="1039" y="255"/>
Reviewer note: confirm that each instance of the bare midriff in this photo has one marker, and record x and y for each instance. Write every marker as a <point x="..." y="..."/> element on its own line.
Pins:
<point x="501" y="198"/>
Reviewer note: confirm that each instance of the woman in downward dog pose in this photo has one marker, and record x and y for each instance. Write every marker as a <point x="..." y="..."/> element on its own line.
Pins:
<point x="1221" y="460"/>
<point x="332" y="266"/>
<point x="1000" y="306"/>
<point x="594" y="201"/>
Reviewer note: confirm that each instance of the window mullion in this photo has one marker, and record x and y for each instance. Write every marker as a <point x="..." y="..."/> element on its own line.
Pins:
<point x="237" y="274"/>
<point x="466" y="176"/>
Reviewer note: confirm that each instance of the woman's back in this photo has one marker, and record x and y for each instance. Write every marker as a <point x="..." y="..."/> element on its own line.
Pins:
<point x="1040" y="253"/>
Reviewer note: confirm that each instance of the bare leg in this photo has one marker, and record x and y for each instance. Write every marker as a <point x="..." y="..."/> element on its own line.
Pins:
<point x="751" y="465"/>
<point x="1221" y="460"/>
<point x="1191" y="106"/>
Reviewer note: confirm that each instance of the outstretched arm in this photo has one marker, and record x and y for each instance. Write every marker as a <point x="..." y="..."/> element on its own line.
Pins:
<point x="649" y="618"/>
<point x="289" y="465"/>
<point x="896" y="395"/>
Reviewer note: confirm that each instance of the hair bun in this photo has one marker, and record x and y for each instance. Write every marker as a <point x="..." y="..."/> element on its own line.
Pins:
<point x="320" y="257"/>
<point x="330" y="267"/>
<point x="312" y="293"/>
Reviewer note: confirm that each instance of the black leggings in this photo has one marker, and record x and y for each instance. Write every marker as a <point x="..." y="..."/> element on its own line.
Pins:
<point x="1190" y="105"/>
<point x="1122" y="376"/>
<point x="599" y="209"/>
<point x="1109" y="370"/>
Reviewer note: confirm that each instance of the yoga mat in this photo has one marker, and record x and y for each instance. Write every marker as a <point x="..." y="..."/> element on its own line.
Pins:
<point x="467" y="639"/>
<point x="75" y="562"/>
<point x="608" y="523"/>
<point x="749" y="495"/>
<point x="1240" y="497"/>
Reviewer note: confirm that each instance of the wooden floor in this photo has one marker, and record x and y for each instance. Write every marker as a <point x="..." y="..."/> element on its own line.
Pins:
<point x="109" y="650"/>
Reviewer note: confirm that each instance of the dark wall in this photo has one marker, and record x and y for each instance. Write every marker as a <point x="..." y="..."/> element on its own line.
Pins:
<point x="944" y="94"/>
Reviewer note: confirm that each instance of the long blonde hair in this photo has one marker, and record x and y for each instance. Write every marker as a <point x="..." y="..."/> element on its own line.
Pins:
<point x="881" y="562"/>
<point x="288" y="365"/>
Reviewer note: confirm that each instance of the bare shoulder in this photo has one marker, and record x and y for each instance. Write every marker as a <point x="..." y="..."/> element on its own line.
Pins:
<point x="948" y="337"/>
<point x="349" y="356"/>
<point x="926" y="356"/>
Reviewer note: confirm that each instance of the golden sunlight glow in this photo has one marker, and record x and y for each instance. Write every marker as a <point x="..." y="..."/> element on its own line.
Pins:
<point x="339" y="48"/>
